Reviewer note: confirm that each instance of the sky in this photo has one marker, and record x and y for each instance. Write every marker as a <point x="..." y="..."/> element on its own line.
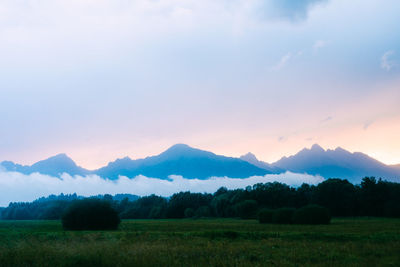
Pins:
<point x="104" y="79"/>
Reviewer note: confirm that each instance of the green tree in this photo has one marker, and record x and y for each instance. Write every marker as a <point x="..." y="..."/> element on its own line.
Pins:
<point x="339" y="196"/>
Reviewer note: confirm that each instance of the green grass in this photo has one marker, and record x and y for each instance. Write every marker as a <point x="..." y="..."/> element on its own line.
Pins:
<point x="208" y="242"/>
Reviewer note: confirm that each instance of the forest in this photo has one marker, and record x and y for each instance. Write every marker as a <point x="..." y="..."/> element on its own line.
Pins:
<point x="372" y="197"/>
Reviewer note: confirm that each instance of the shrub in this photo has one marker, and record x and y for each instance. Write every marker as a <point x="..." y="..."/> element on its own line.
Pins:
<point x="265" y="216"/>
<point x="312" y="214"/>
<point x="283" y="215"/>
<point x="90" y="214"/>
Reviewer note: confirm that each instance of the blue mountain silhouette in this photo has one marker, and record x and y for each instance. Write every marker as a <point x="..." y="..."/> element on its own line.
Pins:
<point x="338" y="163"/>
<point x="182" y="160"/>
<point x="192" y="163"/>
<point x="54" y="166"/>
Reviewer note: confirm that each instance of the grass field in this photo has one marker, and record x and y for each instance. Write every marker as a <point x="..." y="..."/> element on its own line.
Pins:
<point x="208" y="242"/>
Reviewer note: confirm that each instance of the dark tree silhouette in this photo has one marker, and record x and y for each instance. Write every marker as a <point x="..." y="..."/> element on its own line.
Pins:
<point x="266" y="216"/>
<point x="247" y="209"/>
<point x="339" y="196"/>
<point x="373" y="197"/>
<point x="90" y="214"/>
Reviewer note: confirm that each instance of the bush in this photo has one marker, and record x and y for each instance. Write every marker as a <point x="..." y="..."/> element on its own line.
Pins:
<point x="265" y="216"/>
<point x="90" y="214"/>
<point x="283" y="215"/>
<point x="312" y="214"/>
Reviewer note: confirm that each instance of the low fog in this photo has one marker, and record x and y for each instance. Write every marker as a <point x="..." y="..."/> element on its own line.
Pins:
<point x="18" y="187"/>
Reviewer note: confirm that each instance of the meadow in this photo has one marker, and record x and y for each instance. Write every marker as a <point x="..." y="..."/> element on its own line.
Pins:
<point x="203" y="242"/>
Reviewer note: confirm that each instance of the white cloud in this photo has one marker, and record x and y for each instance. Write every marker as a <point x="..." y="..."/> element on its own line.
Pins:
<point x="285" y="59"/>
<point x="282" y="62"/>
<point x="386" y="63"/>
<point x="16" y="187"/>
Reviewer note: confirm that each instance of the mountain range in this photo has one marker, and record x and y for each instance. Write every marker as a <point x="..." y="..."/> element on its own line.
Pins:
<point x="193" y="163"/>
<point x="337" y="163"/>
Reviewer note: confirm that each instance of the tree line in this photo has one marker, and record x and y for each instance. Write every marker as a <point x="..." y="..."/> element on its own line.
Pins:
<point x="371" y="197"/>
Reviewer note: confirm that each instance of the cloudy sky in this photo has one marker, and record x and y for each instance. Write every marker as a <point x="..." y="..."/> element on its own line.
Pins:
<point x="103" y="79"/>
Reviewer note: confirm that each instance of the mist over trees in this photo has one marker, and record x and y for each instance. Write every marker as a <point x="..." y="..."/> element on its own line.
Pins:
<point x="370" y="198"/>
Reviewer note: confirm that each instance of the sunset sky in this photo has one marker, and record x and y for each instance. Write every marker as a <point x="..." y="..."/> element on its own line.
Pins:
<point x="104" y="79"/>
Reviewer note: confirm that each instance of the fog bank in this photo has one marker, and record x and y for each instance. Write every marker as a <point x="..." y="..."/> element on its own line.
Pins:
<point x="18" y="187"/>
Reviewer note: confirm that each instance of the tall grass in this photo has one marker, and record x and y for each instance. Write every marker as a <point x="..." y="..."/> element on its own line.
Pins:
<point x="214" y="242"/>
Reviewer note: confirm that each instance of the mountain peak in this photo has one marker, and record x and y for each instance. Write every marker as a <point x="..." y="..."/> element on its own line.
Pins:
<point x="59" y="159"/>
<point x="55" y="166"/>
<point x="127" y="158"/>
<point x="179" y="147"/>
<point x="61" y="156"/>
<point x="249" y="157"/>
<point x="317" y="148"/>
<point x="339" y="149"/>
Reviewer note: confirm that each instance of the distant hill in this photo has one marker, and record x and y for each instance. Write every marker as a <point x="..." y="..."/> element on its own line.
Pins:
<point x="54" y="166"/>
<point x="182" y="160"/>
<point x="338" y="163"/>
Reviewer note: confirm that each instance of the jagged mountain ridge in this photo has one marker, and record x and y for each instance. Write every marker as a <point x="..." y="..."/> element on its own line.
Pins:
<point x="179" y="159"/>
<point x="252" y="159"/>
<point x="182" y="160"/>
<point x="336" y="163"/>
<point x="191" y="163"/>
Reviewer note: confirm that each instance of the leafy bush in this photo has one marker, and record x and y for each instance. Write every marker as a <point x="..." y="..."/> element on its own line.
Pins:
<point x="265" y="216"/>
<point x="90" y="214"/>
<point x="312" y="214"/>
<point x="283" y="215"/>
